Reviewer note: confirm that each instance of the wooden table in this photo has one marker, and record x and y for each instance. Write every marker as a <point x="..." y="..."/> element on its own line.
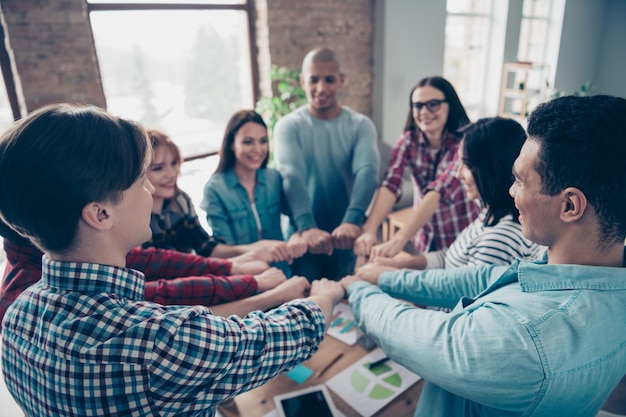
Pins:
<point x="260" y="401"/>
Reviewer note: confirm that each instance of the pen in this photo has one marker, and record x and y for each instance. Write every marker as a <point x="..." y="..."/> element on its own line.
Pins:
<point x="331" y="363"/>
<point x="378" y="362"/>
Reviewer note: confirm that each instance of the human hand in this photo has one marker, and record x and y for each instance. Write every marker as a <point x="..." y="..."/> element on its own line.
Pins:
<point x="318" y="241"/>
<point x="386" y="249"/>
<point x="269" y="279"/>
<point x="349" y="280"/>
<point x="344" y="235"/>
<point x="250" y="267"/>
<point x="364" y="244"/>
<point x="271" y="250"/>
<point x="297" y="246"/>
<point x="294" y="287"/>
<point x="370" y="272"/>
<point x="328" y="288"/>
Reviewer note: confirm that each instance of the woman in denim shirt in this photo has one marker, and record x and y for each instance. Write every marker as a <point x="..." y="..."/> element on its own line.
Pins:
<point x="244" y="199"/>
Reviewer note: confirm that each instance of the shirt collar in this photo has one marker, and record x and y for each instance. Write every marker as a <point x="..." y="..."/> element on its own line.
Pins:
<point x="231" y="179"/>
<point x="93" y="278"/>
<point x="449" y="140"/>
<point x="539" y="276"/>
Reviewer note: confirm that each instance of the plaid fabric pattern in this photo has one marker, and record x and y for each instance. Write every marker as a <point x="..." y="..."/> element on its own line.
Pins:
<point x="81" y="343"/>
<point x="178" y="228"/>
<point x="436" y="172"/>
<point x="173" y="278"/>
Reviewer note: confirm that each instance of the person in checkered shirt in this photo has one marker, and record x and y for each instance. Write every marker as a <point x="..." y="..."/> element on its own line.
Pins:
<point x="83" y="340"/>
<point x="428" y="148"/>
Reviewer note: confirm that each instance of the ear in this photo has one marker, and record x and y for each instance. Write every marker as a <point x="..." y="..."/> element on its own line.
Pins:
<point x="342" y="79"/>
<point x="96" y="216"/>
<point x="302" y="80"/>
<point x="574" y="204"/>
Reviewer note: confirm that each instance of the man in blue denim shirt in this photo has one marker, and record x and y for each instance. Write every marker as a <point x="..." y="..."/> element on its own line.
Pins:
<point x="533" y="339"/>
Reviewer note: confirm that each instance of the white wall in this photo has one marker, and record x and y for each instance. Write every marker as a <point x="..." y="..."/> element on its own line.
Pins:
<point x="408" y="48"/>
<point x="409" y="41"/>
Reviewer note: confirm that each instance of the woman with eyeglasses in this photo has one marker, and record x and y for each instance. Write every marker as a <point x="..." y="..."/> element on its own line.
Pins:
<point x="428" y="148"/>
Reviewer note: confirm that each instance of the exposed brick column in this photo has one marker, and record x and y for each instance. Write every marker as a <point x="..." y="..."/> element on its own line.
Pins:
<point x="296" y="26"/>
<point x="52" y="46"/>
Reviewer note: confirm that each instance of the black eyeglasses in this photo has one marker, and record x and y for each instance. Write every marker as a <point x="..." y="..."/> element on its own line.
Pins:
<point x="431" y="105"/>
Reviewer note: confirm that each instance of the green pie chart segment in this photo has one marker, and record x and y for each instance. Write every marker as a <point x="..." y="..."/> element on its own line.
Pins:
<point x="382" y="377"/>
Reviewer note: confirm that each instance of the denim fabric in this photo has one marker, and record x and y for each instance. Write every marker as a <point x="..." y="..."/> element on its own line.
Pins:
<point x="532" y="339"/>
<point x="229" y="212"/>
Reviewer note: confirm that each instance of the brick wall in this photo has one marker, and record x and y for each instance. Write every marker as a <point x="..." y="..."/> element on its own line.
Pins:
<point x="53" y="51"/>
<point x="54" y="57"/>
<point x="346" y="26"/>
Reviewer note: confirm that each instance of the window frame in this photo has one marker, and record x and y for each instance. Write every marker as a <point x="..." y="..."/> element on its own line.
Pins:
<point x="247" y="7"/>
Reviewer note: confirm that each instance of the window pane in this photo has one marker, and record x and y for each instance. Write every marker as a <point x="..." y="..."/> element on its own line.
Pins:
<point x="184" y="72"/>
<point x="532" y="40"/>
<point x="465" y="56"/>
<point x="468" y="6"/>
<point x="169" y="1"/>
<point x="536" y="8"/>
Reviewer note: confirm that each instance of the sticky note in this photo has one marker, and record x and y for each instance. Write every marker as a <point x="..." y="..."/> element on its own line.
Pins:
<point x="300" y="373"/>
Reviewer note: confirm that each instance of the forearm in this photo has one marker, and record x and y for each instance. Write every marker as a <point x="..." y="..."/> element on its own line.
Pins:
<point x="263" y="301"/>
<point x="383" y="203"/>
<point x="422" y="215"/>
<point x="228" y="251"/>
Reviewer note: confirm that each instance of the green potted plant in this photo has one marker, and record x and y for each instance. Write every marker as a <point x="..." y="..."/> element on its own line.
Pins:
<point x="290" y="95"/>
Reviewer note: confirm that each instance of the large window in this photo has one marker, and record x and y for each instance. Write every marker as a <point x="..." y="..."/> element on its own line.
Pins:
<point x="473" y="31"/>
<point x="540" y="36"/>
<point x="183" y="68"/>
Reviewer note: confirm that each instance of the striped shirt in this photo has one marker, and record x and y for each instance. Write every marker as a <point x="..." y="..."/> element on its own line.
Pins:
<point x="499" y="244"/>
<point x="82" y="342"/>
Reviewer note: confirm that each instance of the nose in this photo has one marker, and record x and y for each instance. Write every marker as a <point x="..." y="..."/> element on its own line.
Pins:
<point x="512" y="190"/>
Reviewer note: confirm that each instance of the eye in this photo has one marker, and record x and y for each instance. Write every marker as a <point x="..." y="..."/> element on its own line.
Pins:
<point x="264" y="141"/>
<point x="313" y="80"/>
<point x="330" y="80"/>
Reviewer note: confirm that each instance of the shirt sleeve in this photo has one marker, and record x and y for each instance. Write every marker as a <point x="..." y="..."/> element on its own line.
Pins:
<point x="176" y="278"/>
<point x="457" y="351"/>
<point x="438" y="287"/>
<point x="397" y="163"/>
<point x="447" y="184"/>
<point x="206" y="290"/>
<point x="203" y="359"/>
<point x="292" y="166"/>
<point x="217" y="214"/>
<point x="365" y="161"/>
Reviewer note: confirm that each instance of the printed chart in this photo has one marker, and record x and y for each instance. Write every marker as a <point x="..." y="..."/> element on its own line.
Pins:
<point x="368" y="389"/>
<point x="342" y="325"/>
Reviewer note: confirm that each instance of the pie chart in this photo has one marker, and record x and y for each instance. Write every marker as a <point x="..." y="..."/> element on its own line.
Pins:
<point x="378" y="383"/>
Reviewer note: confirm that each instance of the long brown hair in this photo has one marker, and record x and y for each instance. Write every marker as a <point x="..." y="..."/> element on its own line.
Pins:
<point x="227" y="155"/>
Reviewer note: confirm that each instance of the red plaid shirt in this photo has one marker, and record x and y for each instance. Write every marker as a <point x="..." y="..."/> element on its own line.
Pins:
<point x="437" y="172"/>
<point x="172" y="277"/>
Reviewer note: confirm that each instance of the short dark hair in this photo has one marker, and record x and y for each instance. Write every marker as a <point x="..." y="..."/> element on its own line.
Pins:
<point x="227" y="155"/>
<point x="490" y="147"/>
<point x="582" y="143"/>
<point x="60" y="158"/>
<point x="457" y="117"/>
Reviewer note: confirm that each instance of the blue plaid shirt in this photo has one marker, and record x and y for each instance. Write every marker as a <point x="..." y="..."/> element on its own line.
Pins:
<point x="82" y="342"/>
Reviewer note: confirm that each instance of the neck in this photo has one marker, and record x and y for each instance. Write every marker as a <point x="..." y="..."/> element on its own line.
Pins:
<point x="325" y="114"/>
<point x="245" y="175"/>
<point x="434" y="139"/>
<point x="587" y="250"/>
<point x="93" y="247"/>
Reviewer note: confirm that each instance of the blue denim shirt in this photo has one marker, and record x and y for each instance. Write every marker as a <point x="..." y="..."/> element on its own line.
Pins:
<point x="229" y="212"/>
<point x="527" y="340"/>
